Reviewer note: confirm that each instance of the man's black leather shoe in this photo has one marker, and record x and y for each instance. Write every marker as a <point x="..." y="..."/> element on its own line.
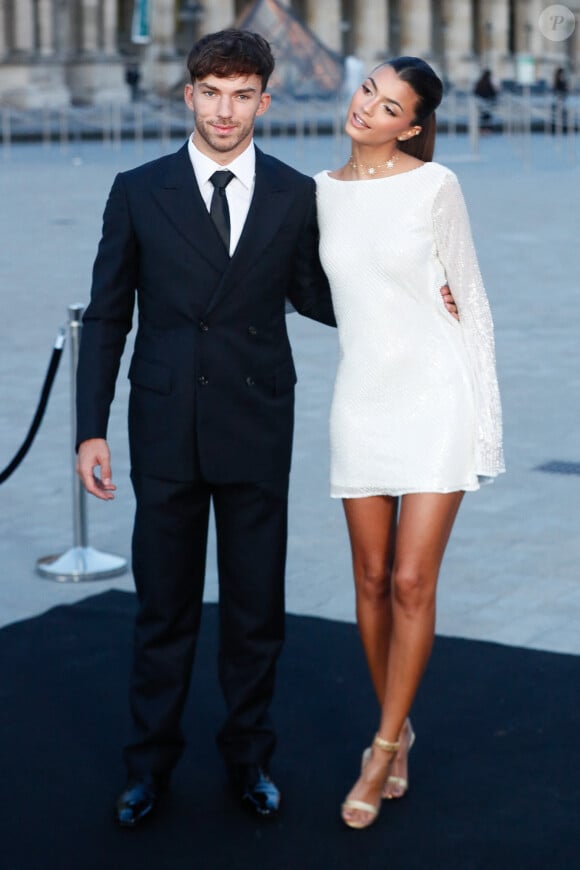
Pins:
<point x="255" y="789"/>
<point x="138" y="800"/>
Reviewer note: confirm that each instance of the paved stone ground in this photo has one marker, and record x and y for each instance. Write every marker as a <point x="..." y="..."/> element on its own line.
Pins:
<point x="511" y="572"/>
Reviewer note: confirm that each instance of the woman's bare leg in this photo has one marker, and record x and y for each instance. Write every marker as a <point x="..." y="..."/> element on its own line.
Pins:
<point x="423" y="529"/>
<point x="372" y="529"/>
<point x="372" y="525"/>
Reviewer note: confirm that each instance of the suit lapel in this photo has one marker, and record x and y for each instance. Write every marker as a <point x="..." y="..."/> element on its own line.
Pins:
<point x="179" y="198"/>
<point x="270" y="203"/>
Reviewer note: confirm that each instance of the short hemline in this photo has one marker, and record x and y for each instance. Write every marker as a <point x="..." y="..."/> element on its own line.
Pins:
<point x="345" y="492"/>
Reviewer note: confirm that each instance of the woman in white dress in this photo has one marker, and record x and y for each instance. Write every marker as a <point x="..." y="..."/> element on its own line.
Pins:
<point x="416" y="415"/>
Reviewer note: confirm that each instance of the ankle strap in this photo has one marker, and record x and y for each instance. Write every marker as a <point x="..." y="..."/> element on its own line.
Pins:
<point x="385" y="745"/>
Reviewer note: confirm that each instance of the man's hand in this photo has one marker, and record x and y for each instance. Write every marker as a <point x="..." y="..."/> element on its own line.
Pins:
<point x="95" y="453"/>
<point x="449" y="301"/>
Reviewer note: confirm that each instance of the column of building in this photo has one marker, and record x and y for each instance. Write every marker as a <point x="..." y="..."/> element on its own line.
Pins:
<point x="495" y="49"/>
<point x="23" y="13"/>
<point x="523" y="28"/>
<point x="537" y="41"/>
<point x="218" y="15"/>
<point x="97" y="20"/>
<point x="574" y="50"/>
<point x="110" y="16"/>
<point x="93" y="67"/>
<point x="549" y="53"/>
<point x="416" y="29"/>
<point x="89" y="41"/>
<point x="162" y="67"/>
<point x="529" y="39"/>
<point x="163" y="21"/>
<point x="45" y="28"/>
<point x="29" y="78"/>
<point x="461" y="67"/>
<point x="3" y="33"/>
<point x="370" y="31"/>
<point x="324" y="19"/>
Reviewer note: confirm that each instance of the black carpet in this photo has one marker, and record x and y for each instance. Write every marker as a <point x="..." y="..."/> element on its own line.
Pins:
<point x="494" y="773"/>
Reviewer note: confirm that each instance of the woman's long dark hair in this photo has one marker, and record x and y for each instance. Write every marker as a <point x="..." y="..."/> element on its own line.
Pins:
<point x="429" y="89"/>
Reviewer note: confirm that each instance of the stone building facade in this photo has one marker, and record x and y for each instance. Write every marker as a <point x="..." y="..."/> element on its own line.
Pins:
<point x="53" y="52"/>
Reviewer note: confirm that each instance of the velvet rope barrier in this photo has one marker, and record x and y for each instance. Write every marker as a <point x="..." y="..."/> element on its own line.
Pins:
<point x="42" y="403"/>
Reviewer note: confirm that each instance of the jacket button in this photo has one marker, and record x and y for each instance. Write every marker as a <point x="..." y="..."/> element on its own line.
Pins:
<point x="203" y="326"/>
<point x="252" y="330"/>
<point x="203" y="380"/>
<point x="250" y="381"/>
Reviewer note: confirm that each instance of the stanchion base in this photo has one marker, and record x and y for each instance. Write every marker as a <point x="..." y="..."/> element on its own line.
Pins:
<point x="81" y="563"/>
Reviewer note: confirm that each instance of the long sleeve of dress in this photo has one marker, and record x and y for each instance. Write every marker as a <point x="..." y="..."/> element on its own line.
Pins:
<point x="456" y="252"/>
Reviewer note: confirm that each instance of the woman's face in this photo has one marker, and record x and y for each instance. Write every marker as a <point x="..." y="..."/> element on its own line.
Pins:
<point x="382" y="109"/>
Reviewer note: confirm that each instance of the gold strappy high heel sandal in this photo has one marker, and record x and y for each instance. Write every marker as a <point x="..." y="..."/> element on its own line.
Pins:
<point x="399" y="781"/>
<point x="363" y="806"/>
<point x="392" y="780"/>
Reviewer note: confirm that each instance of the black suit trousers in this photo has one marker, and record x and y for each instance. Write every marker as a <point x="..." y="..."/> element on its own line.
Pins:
<point x="169" y="554"/>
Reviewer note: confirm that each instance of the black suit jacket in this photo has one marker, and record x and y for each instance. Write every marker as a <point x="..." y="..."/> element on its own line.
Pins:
<point x="212" y="368"/>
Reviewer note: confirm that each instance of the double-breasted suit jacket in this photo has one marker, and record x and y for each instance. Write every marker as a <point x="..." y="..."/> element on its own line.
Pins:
<point x="212" y="369"/>
<point x="210" y="415"/>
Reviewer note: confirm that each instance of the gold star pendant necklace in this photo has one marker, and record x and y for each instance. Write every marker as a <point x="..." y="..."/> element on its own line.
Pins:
<point x="372" y="170"/>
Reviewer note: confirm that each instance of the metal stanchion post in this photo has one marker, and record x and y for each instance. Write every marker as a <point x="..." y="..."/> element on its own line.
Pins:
<point x="46" y="127"/>
<point x="81" y="562"/>
<point x="571" y="134"/>
<point x="116" y="125"/>
<point x="509" y="101"/>
<point x="106" y="125"/>
<point x="473" y="121"/>
<point x="6" y="132"/>
<point x="63" y="129"/>
<point x="337" y="128"/>
<point x="187" y="121"/>
<point x="138" y="125"/>
<point x="299" y="137"/>
<point x="267" y="127"/>
<point x="452" y="124"/>
<point x="527" y="127"/>
<point x="313" y="120"/>
<point x="165" y="125"/>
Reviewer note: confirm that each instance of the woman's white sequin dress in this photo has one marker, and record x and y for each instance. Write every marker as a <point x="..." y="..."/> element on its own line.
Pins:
<point x="416" y="404"/>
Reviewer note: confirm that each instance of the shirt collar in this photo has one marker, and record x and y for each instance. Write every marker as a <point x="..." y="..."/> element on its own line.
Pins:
<point x="243" y="166"/>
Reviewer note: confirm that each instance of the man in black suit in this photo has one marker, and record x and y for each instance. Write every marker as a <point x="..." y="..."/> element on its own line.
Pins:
<point x="210" y="241"/>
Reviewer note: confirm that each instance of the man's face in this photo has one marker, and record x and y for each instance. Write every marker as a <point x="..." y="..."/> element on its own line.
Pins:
<point x="225" y="109"/>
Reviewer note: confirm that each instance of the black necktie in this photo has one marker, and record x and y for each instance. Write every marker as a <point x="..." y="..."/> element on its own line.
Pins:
<point x="218" y="210"/>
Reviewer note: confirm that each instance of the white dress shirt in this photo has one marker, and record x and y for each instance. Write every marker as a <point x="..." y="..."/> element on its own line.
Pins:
<point x="239" y="191"/>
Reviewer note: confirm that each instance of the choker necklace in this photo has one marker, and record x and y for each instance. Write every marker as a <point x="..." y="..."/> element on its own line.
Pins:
<point x="372" y="170"/>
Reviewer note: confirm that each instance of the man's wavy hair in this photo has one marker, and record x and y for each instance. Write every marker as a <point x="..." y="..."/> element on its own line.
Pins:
<point x="231" y="53"/>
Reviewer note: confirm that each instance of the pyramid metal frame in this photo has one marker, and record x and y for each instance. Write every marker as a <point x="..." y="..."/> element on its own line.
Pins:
<point x="305" y="67"/>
